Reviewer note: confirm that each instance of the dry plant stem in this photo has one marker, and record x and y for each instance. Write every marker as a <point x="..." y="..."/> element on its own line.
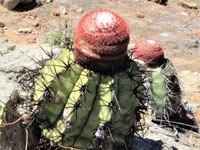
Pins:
<point x="14" y="122"/>
<point x="69" y="148"/>
<point x="26" y="146"/>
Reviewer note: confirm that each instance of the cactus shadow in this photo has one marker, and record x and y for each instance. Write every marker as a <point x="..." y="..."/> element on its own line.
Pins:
<point x="25" y="7"/>
<point x="148" y="144"/>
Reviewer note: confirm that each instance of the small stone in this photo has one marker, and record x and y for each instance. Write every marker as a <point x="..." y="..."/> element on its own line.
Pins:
<point x="130" y="46"/>
<point x="184" y="14"/>
<point x="48" y="1"/>
<point x="196" y="33"/>
<point x="10" y="4"/>
<point x="2" y="24"/>
<point x="56" y="13"/>
<point x="36" y="24"/>
<point x="32" y="40"/>
<point x="140" y="16"/>
<point x="164" y="34"/>
<point x="79" y="10"/>
<point x="190" y="5"/>
<point x="25" y="30"/>
<point x="63" y="10"/>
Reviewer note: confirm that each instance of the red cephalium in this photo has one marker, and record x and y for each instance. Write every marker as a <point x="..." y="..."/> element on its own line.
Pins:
<point x="101" y="40"/>
<point x="149" y="52"/>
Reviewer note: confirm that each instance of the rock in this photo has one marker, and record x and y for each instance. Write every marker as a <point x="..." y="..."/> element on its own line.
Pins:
<point x="56" y="14"/>
<point x="36" y="24"/>
<point x="14" y="62"/>
<point x="22" y="57"/>
<point x="193" y="43"/>
<point x="163" y="139"/>
<point x="164" y="34"/>
<point x="48" y="1"/>
<point x="190" y="5"/>
<point x="7" y="87"/>
<point x="197" y="34"/>
<point x="10" y="4"/>
<point x="184" y="14"/>
<point x="2" y="24"/>
<point x="63" y="10"/>
<point x="32" y="40"/>
<point x="25" y="30"/>
<point x="6" y="46"/>
<point x="140" y="16"/>
<point x="79" y="10"/>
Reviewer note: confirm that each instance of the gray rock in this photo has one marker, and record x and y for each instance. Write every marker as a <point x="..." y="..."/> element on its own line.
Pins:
<point x="23" y="56"/>
<point x="6" y="46"/>
<point x="10" y="4"/>
<point x="6" y="88"/>
<point x="2" y="24"/>
<point x="163" y="139"/>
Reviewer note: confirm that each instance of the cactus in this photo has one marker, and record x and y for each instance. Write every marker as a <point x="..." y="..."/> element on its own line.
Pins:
<point x="95" y="96"/>
<point x="165" y="87"/>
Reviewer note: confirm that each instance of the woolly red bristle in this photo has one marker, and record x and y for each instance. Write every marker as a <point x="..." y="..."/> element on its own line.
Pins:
<point x="149" y="52"/>
<point x="101" y="40"/>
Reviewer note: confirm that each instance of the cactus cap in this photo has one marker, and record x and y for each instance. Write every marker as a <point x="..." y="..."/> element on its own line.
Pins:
<point x="149" y="52"/>
<point x="101" y="40"/>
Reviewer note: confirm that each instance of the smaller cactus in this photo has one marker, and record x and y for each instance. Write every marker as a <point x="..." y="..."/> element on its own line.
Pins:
<point x="162" y="75"/>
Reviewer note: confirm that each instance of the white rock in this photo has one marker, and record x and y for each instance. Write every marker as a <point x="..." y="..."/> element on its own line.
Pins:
<point x="184" y="14"/>
<point x="164" y="34"/>
<point x="25" y="30"/>
<point x="63" y="10"/>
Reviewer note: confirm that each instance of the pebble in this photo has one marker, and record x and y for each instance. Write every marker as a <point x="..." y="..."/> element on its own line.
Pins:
<point x="25" y="30"/>
<point x="2" y="24"/>
<point x="79" y="10"/>
<point x="184" y="14"/>
<point x="140" y="15"/>
<point x="36" y="24"/>
<point x="164" y="34"/>
<point x="56" y="13"/>
<point x="63" y="10"/>
<point x="32" y="40"/>
<point x="196" y="33"/>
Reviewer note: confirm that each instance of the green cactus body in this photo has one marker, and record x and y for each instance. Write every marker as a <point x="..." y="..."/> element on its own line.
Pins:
<point x="165" y="89"/>
<point x="85" y="109"/>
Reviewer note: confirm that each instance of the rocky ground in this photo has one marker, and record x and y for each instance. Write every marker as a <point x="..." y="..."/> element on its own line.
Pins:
<point x="175" y="26"/>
